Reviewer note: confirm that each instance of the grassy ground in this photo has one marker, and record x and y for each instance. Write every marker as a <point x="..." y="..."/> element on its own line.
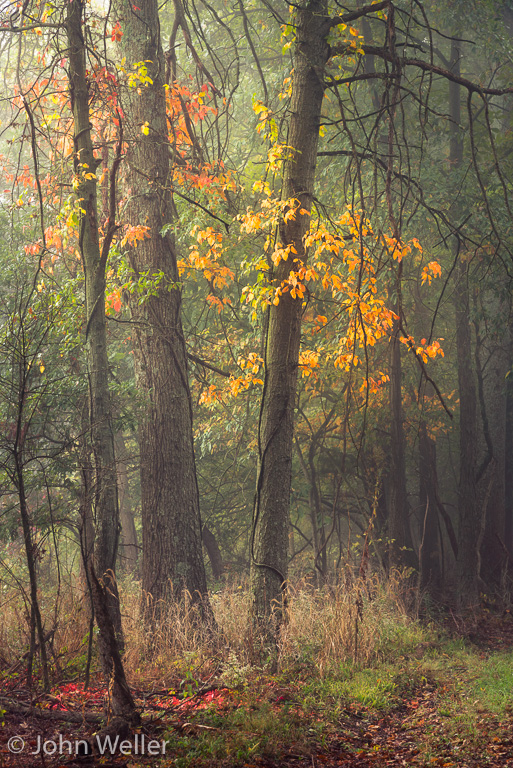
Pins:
<point x="369" y="687"/>
<point x="378" y="687"/>
<point x="449" y="704"/>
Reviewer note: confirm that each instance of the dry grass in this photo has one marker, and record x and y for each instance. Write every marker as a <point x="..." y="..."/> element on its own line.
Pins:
<point x="64" y="610"/>
<point x="360" y="621"/>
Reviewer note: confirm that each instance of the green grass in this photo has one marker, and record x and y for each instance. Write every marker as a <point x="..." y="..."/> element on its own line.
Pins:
<point x="474" y="679"/>
<point x="377" y="687"/>
<point x="452" y="701"/>
<point x="254" y="728"/>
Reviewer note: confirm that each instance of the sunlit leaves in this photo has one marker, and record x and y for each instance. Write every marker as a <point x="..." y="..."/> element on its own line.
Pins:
<point x="135" y="234"/>
<point x="139" y="74"/>
<point x="309" y="362"/>
<point x="113" y="300"/>
<point x="375" y="383"/>
<point x="206" y="258"/>
<point x="425" y="350"/>
<point x="116" y="33"/>
<point x="431" y="270"/>
<point x="346" y="42"/>
<point x="267" y="125"/>
<point x="250" y="367"/>
<point x="340" y="260"/>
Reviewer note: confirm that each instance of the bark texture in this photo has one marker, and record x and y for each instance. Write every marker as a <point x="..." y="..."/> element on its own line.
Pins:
<point x="271" y="511"/>
<point x="469" y="515"/>
<point x="171" y="526"/>
<point x="401" y="551"/>
<point x="104" y="492"/>
<point x="494" y="365"/>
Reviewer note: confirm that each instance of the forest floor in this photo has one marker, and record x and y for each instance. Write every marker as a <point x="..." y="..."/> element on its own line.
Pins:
<point x="447" y="703"/>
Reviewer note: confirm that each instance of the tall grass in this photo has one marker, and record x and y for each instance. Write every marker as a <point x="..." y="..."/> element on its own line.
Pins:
<point x="65" y="613"/>
<point x="360" y="622"/>
<point x="365" y="621"/>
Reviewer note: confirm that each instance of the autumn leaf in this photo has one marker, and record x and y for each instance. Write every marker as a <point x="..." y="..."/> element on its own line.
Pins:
<point x="116" y="33"/>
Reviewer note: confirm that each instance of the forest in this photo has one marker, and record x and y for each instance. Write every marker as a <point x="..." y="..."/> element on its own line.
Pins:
<point x="256" y="383"/>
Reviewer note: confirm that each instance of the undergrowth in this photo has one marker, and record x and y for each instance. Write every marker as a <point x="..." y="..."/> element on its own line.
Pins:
<point x="324" y="629"/>
<point x="349" y="656"/>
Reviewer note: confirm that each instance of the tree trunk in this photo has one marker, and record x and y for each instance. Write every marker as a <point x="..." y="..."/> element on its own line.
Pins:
<point x="401" y="553"/>
<point x="431" y="547"/>
<point x="31" y="564"/>
<point x="316" y="517"/>
<point x="213" y="552"/>
<point x="469" y="516"/>
<point x="493" y="365"/>
<point x="105" y="498"/>
<point x="171" y="525"/>
<point x="86" y="522"/>
<point x="129" y="549"/>
<point x="272" y="498"/>
<point x="429" y="553"/>
<point x="508" y="468"/>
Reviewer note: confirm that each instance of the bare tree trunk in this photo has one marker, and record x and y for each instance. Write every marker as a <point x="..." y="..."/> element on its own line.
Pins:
<point x="129" y="549"/>
<point x="31" y="564"/>
<point x="430" y="549"/>
<point x="469" y="515"/>
<point x="493" y="362"/>
<point x="429" y="554"/>
<point x="272" y="498"/>
<point x="321" y="554"/>
<point x="468" y="509"/>
<point x="508" y="448"/>
<point x="507" y="123"/>
<point x="314" y="500"/>
<point x="104" y="495"/>
<point x="213" y="552"/>
<point x="401" y="551"/>
<point x="86" y="530"/>
<point x="171" y="525"/>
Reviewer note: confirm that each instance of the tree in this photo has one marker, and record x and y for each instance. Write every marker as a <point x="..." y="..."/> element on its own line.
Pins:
<point x="283" y="333"/>
<point x="102" y="572"/>
<point x="171" y="525"/>
<point x="23" y="345"/>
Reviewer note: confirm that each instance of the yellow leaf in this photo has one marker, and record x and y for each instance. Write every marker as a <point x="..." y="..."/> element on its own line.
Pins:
<point x="145" y="128"/>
